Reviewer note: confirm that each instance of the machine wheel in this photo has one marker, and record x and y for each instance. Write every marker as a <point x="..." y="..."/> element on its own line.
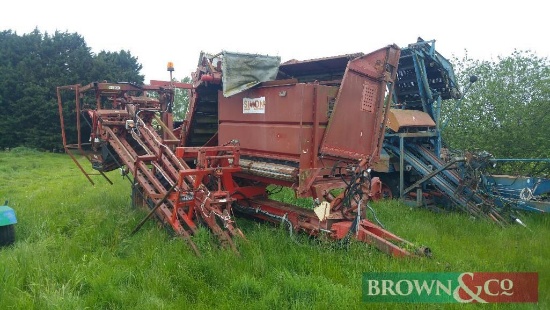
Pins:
<point x="7" y="235"/>
<point x="386" y="192"/>
<point x="390" y="185"/>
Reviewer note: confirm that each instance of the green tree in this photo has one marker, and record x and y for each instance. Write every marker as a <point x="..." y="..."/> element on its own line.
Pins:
<point x="505" y="112"/>
<point x="116" y="67"/>
<point x="181" y="101"/>
<point x="32" y="66"/>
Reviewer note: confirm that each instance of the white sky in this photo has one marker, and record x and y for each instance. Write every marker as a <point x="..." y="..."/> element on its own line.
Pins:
<point x="160" y="31"/>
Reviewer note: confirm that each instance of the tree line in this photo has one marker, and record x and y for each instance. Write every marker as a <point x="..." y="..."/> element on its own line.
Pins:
<point x="505" y="113"/>
<point x="32" y="66"/>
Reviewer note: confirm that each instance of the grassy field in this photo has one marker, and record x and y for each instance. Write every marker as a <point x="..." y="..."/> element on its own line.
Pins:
<point x="73" y="251"/>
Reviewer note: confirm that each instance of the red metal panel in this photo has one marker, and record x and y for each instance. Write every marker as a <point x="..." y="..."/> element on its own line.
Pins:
<point x="168" y="84"/>
<point x="285" y="128"/>
<point x="354" y="129"/>
<point x="283" y="104"/>
<point x="275" y="139"/>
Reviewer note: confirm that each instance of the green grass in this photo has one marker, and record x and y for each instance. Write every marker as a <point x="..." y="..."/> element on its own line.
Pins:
<point x="73" y="251"/>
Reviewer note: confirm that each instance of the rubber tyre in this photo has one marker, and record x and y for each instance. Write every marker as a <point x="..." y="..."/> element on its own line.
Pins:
<point x="7" y="235"/>
<point x="391" y="182"/>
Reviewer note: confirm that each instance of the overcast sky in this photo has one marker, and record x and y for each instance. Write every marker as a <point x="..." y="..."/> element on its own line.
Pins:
<point x="160" y="31"/>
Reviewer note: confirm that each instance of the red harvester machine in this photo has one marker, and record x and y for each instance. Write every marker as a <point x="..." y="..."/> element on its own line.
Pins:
<point x="314" y="126"/>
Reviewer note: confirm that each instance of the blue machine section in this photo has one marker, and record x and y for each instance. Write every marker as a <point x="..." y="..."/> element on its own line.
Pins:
<point x="448" y="182"/>
<point x="527" y="193"/>
<point x="424" y="80"/>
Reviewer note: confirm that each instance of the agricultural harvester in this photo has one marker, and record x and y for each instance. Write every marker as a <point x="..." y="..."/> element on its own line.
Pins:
<point x="414" y="164"/>
<point x="314" y="126"/>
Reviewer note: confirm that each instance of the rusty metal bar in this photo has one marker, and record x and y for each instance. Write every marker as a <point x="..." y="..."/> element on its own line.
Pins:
<point x="154" y="209"/>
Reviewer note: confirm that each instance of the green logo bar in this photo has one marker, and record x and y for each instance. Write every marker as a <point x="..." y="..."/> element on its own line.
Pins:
<point x="409" y="287"/>
<point x="465" y="287"/>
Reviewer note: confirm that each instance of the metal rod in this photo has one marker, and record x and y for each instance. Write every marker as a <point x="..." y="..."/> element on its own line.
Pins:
<point x="431" y="175"/>
<point x="546" y="160"/>
<point x="401" y="167"/>
<point x="159" y="203"/>
<point x="165" y="128"/>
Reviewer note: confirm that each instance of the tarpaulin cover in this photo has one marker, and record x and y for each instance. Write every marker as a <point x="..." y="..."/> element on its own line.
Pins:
<point x="244" y="71"/>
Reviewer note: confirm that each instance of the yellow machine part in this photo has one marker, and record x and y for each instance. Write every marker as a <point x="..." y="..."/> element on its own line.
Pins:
<point x="398" y="119"/>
